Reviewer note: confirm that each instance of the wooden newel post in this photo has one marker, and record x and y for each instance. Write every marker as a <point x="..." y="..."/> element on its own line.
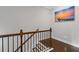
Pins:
<point x="21" y="39"/>
<point x="50" y="32"/>
<point x="50" y="37"/>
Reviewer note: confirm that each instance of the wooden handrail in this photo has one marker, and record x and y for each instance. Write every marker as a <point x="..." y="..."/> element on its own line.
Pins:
<point x="36" y="32"/>
<point x="25" y="41"/>
<point x="6" y="35"/>
<point x="15" y="34"/>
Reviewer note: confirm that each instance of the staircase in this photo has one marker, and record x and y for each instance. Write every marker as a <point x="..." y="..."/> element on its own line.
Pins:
<point x="26" y="41"/>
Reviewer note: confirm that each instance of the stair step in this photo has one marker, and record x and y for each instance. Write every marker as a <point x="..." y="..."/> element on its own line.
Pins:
<point x="41" y="48"/>
<point x="35" y="49"/>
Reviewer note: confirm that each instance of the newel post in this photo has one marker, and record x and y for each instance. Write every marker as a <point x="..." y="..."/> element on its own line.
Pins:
<point x="21" y="39"/>
<point x="50" y="37"/>
<point x="50" y="33"/>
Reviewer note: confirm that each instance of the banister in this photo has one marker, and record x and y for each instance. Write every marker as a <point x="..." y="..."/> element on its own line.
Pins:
<point x="25" y="41"/>
<point x="6" y="35"/>
<point x="15" y="34"/>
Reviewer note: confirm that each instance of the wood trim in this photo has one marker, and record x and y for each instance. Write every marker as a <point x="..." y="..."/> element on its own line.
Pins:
<point x="15" y="34"/>
<point x="6" y="35"/>
<point x="21" y="39"/>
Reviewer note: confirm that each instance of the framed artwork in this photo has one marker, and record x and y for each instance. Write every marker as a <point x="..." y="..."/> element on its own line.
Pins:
<point x="65" y="14"/>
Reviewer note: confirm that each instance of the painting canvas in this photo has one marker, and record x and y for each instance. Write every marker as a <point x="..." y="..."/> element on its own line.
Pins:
<point x="65" y="14"/>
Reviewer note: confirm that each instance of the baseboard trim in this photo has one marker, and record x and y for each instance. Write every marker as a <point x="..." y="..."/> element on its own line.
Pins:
<point x="65" y="42"/>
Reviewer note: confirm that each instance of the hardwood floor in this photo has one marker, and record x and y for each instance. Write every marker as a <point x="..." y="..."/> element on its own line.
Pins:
<point x="60" y="46"/>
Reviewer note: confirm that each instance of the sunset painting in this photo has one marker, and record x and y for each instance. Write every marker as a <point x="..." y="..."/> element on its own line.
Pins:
<point x="65" y="14"/>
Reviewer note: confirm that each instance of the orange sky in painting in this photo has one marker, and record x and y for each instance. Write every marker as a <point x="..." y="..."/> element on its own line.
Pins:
<point x="63" y="15"/>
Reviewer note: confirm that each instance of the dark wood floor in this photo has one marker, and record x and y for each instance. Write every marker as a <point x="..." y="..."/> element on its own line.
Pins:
<point x="60" y="46"/>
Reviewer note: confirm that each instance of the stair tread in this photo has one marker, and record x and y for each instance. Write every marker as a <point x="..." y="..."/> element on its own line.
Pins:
<point x="41" y="48"/>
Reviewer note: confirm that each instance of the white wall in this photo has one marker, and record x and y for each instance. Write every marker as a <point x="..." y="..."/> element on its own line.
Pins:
<point x="33" y="18"/>
<point x="66" y="31"/>
<point x="8" y="20"/>
<point x="28" y="18"/>
<point x="75" y="32"/>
